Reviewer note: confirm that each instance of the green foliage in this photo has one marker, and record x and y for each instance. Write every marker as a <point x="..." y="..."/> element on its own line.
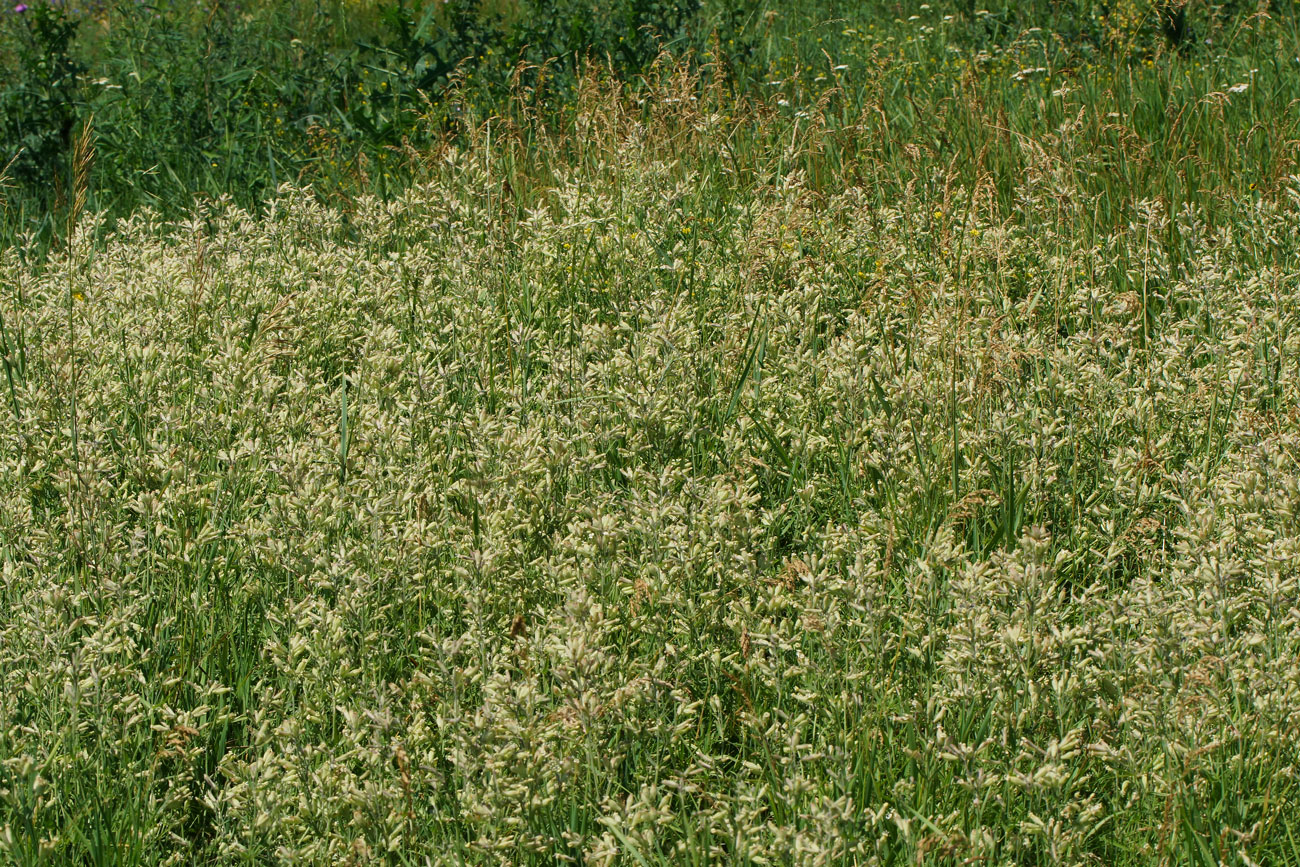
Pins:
<point x="38" y="102"/>
<point x="222" y="100"/>
<point x="492" y="41"/>
<point x="1134" y="27"/>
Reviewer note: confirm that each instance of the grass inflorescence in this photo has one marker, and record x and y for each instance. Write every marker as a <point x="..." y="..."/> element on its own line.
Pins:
<point x="707" y="472"/>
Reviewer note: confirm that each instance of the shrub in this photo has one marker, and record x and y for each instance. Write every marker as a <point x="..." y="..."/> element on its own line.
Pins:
<point x="38" y="101"/>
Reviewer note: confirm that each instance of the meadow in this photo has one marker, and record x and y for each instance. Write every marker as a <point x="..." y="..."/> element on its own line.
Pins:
<point x="875" y="444"/>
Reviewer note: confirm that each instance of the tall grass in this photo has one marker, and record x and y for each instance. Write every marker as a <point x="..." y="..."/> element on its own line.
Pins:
<point x="893" y="468"/>
<point x="212" y="100"/>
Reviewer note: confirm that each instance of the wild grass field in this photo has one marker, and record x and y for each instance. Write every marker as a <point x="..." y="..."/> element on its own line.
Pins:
<point x="889" y="457"/>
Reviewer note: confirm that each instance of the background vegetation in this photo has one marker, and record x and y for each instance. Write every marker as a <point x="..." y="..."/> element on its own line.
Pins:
<point x="855" y="434"/>
<point x="233" y="99"/>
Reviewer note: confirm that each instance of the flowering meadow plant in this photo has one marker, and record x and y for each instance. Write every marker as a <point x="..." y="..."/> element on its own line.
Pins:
<point x="699" y="482"/>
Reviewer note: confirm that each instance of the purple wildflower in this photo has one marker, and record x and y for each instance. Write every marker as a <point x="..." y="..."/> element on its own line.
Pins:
<point x="21" y="7"/>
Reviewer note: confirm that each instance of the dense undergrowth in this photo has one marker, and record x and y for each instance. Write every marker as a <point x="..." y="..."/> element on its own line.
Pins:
<point x="233" y="99"/>
<point x="888" y="461"/>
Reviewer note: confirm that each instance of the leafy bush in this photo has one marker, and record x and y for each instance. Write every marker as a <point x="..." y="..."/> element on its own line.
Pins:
<point x="38" y="102"/>
<point x="497" y="47"/>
